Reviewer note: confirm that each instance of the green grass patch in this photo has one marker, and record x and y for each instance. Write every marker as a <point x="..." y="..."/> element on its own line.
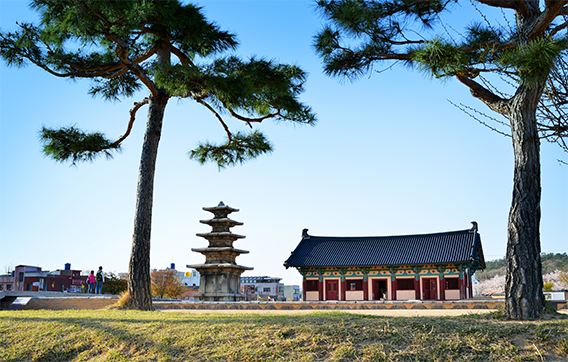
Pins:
<point x="114" y="335"/>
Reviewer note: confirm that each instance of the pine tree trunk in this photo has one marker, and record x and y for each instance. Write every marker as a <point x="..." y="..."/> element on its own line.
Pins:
<point x="139" y="282"/>
<point x="523" y="290"/>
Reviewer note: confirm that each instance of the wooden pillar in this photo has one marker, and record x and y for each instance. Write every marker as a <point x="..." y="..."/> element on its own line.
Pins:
<point x="442" y="288"/>
<point x="365" y="288"/>
<point x="320" y="289"/>
<point x="341" y="294"/>
<point x="470" y="287"/>
<point x="460" y="285"/>
<point x="417" y="288"/>
<point x="464" y="285"/>
<point x="467" y="284"/>
<point x="441" y="283"/>
<point x="304" y="287"/>
<point x="393" y="289"/>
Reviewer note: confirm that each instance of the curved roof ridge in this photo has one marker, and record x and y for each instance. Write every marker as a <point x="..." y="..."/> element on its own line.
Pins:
<point x="392" y="236"/>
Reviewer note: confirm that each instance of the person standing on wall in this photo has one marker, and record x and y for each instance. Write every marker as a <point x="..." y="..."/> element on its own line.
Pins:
<point x="99" y="278"/>
<point x="91" y="280"/>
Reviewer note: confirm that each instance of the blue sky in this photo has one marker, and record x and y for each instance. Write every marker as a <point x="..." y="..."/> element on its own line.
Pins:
<point x="389" y="156"/>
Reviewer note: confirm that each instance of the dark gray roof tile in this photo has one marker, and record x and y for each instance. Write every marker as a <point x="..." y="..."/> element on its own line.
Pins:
<point x="438" y="248"/>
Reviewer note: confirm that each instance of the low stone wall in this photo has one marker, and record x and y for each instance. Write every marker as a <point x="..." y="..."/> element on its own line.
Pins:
<point x="62" y="301"/>
<point x="68" y="303"/>
<point x="330" y="305"/>
<point x="54" y="301"/>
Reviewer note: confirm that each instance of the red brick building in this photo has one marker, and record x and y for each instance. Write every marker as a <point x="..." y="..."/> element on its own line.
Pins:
<point x="33" y="278"/>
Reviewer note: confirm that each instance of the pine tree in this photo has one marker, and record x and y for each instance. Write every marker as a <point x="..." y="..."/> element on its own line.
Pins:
<point x="361" y="34"/>
<point x="171" y="51"/>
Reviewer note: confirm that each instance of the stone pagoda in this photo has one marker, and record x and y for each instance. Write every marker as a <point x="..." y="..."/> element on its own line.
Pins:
<point x="220" y="275"/>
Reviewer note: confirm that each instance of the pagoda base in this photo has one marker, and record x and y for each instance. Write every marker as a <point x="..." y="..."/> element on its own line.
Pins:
<point x="220" y="297"/>
<point x="218" y="283"/>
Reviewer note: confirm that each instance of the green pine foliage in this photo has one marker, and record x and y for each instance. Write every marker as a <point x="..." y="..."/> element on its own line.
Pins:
<point x="361" y="33"/>
<point x="235" y="151"/>
<point x="439" y="58"/>
<point x="118" y="46"/>
<point x="532" y="62"/>
<point x="70" y="143"/>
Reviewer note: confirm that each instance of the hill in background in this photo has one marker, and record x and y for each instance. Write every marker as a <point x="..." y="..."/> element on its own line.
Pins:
<point x="551" y="262"/>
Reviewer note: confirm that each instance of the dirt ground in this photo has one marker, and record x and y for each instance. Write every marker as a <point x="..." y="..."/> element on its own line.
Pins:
<point x="376" y="312"/>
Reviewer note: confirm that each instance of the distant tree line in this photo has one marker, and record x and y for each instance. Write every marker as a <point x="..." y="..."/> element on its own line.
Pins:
<point x="550" y="263"/>
<point x="114" y="284"/>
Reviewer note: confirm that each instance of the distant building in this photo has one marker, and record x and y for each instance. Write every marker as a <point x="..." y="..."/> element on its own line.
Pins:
<point x="190" y="281"/>
<point x="262" y="288"/>
<point x="292" y="293"/>
<point x="7" y="282"/>
<point x="190" y="278"/>
<point x="435" y="266"/>
<point x="33" y="278"/>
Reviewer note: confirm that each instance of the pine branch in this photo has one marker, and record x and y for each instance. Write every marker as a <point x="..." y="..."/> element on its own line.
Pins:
<point x="492" y="100"/>
<point x="469" y="111"/>
<point x="137" y="106"/>
<point x="219" y="118"/>
<point x="250" y="120"/>
<point x="71" y="144"/>
<point x="551" y="11"/>
<point x="235" y="151"/>
<point x="557" y="29"/>
<point x="508" y="4"/>
<point x="122" y="51"/>
<point x="184" y="59"/>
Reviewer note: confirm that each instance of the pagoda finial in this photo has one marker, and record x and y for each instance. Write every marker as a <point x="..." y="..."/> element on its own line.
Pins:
<point x="221" y="204"/>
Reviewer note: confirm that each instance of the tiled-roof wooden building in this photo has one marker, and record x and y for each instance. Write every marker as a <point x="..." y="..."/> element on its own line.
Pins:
<point x="421" y="267"/>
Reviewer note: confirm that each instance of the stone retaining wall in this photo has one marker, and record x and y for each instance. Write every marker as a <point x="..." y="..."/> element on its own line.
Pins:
<point x="69" y="303"/>
<point x="54" y="301"/>
<point x="327" y="305"/>
<point x="63" y="301"/>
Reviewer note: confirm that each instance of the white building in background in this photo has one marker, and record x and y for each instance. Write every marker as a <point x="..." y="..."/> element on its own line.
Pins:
<point x="190" y="278"/>
<point x="262" y="288"/>
<point x="292" y="293"/>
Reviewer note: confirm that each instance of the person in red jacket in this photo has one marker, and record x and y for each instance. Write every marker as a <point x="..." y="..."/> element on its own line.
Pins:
<point x="91" y="280"/>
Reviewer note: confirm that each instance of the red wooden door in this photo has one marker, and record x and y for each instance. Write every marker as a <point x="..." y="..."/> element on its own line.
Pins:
<point x="376" y="295"/>
<point x="331" y="290"/>
<point x="429" y="290"/>
<point x="379" y="289"/>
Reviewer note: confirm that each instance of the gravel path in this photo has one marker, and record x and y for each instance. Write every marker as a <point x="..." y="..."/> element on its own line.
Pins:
<point x="377" y="312"/>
